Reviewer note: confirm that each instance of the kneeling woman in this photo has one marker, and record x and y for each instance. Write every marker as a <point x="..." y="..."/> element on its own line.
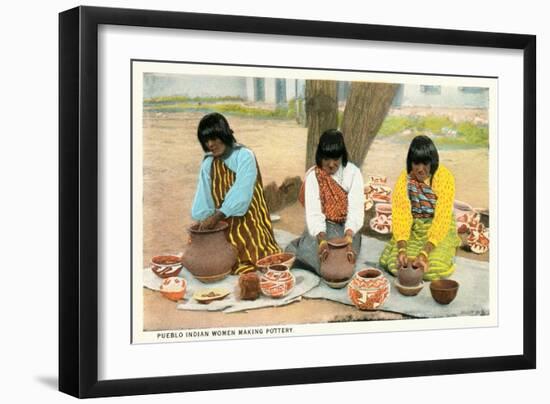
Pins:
<point x="333" y="197"/>
<point x="230" y="188"/>
<point x="424" y="230"/>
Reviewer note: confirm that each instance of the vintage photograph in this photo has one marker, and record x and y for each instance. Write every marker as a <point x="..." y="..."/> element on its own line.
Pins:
<point x="271" y="202"/>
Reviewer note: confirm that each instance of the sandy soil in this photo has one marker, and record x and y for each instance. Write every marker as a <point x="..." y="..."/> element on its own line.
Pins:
<point x="172" y="157"/>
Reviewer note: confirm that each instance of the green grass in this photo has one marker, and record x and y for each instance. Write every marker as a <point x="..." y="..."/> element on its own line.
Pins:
<point x="228" y="108"/>
<point x="467" y="133"/>
<point x="222" y="105"/>
<point x="173" y="99"/>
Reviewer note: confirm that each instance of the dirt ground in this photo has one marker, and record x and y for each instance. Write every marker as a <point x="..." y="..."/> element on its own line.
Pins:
<point x="172" y="156"/>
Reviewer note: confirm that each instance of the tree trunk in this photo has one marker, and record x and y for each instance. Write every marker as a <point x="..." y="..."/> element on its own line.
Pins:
<point x="321" y="113"/>
<point x="366" y="108"/>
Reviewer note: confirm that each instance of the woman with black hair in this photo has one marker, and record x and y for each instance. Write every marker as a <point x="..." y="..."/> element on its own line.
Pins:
<point x="230" y="188"/>
<point x="424" y="230"/>
<point x="333" y="197"/>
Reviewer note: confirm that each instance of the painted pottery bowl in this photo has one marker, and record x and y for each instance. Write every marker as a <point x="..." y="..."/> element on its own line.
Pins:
<point x="166" y="266"/>
<point x="381" y="224"/>
<point x="444" y="290"/>
<point x="408" y="290"/>
<point x="173" y="288"/>
<point x="285" y="258"/>
<point x="383" y="209"/>
<point x="368" y="289"/>
<point x="277" y="281"/>
<point x="369" y="203"/>
<point x="377" y="179"/>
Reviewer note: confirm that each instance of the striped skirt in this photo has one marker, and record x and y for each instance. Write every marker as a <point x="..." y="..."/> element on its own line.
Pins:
<point x="441" y="262"/>
<point x="252" y="234"/>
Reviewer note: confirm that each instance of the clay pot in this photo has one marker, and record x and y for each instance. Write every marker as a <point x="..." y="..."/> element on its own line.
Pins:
<point x="444" y="290"/>
<point x="410" y="276"/>
<point x="166" y="266"/>
<point x="377" y="179"/>
<point x="383" y="209"/>
<point x="369" y="289"/>
<point x="277" y="281"/>
<point x="274" y="259"/>
<point x="173" y="288"/>
<point x="408" y="290"/>
<point x="209" y="256"/>
<point x="336" y="270"/>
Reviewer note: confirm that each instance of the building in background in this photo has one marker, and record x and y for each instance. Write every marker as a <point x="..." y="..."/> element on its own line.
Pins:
<point x="277" y="91"/>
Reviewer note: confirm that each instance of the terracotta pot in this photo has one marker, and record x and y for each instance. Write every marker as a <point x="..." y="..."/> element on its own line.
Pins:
<point x="173" y="288"/>
<point x="336" y="270"/>
<point x="408" y="290"/>
<point x="209" y="256"/>
<point x="277" y="281"/>
<point x="444" y="290"/>
<point x="284" y="258"/>
<point x="383" y="209"/>
<point x="369" y="289"/>
<point x="410" y="276"/>
<point x="166" y="266"/>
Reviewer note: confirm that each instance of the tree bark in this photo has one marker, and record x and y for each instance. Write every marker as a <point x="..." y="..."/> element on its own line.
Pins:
<point x="321" y="113"/>
<point x="366" y="108"/>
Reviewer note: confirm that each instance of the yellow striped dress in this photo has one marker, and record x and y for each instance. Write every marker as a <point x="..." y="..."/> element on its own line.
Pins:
<point x="250" y="234"/>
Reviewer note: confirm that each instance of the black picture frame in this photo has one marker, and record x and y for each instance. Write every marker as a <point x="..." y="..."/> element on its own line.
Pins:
<point x="78" y="200"/>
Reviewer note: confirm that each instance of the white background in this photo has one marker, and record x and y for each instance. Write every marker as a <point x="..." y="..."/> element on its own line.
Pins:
<point x="28" y="207"/>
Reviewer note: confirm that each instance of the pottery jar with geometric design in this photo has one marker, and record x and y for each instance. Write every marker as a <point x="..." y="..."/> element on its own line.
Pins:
<point x="368" y="289"/>
<point x="277" y="281"/>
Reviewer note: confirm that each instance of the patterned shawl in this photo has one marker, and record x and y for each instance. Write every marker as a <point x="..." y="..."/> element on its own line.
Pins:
<point x="423" y="199"/>
<point x="334" y="200"/>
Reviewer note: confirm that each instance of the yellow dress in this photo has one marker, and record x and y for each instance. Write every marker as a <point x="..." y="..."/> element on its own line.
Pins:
<point x="440" y="230"/>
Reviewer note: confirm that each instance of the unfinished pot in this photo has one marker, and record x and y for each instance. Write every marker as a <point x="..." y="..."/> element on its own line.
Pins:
<point x="410" y="276"/>
<point x="209" y="256"/>
<point x="337" y="270"/>
<point x="369" y="289"/>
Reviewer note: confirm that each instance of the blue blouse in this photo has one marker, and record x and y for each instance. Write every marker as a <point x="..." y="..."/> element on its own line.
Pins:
<point x="237" y="200"/>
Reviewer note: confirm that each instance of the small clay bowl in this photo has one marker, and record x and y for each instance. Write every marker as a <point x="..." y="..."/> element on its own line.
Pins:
<point x="382" y="208"/>
<point x="286" y="259"/>
<point x="444" y="290"/>
<point x="173" y="288"/>
<point x="408" y="290"/>
<point x="166" y="266"/>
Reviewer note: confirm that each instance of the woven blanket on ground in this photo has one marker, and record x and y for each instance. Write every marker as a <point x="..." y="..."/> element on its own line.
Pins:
<point x="472" y="298"/>
<point x="305" y="281"/>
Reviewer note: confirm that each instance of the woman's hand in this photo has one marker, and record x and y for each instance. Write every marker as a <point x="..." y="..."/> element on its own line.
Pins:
<point x="402" y="259"/>
<point x="211" y="221"/>
<point x="421" y="261"/>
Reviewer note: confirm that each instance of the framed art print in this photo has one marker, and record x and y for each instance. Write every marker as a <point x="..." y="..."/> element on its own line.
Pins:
<point x="247" y="193"/>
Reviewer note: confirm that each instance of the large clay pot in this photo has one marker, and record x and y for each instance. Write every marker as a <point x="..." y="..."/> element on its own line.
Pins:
<point x="209" y="256"/>
<point x="336" y="270"/>
<point x="410" y="276"/>
<point x="277" y="281"/>
<point x="369" y="289"/>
